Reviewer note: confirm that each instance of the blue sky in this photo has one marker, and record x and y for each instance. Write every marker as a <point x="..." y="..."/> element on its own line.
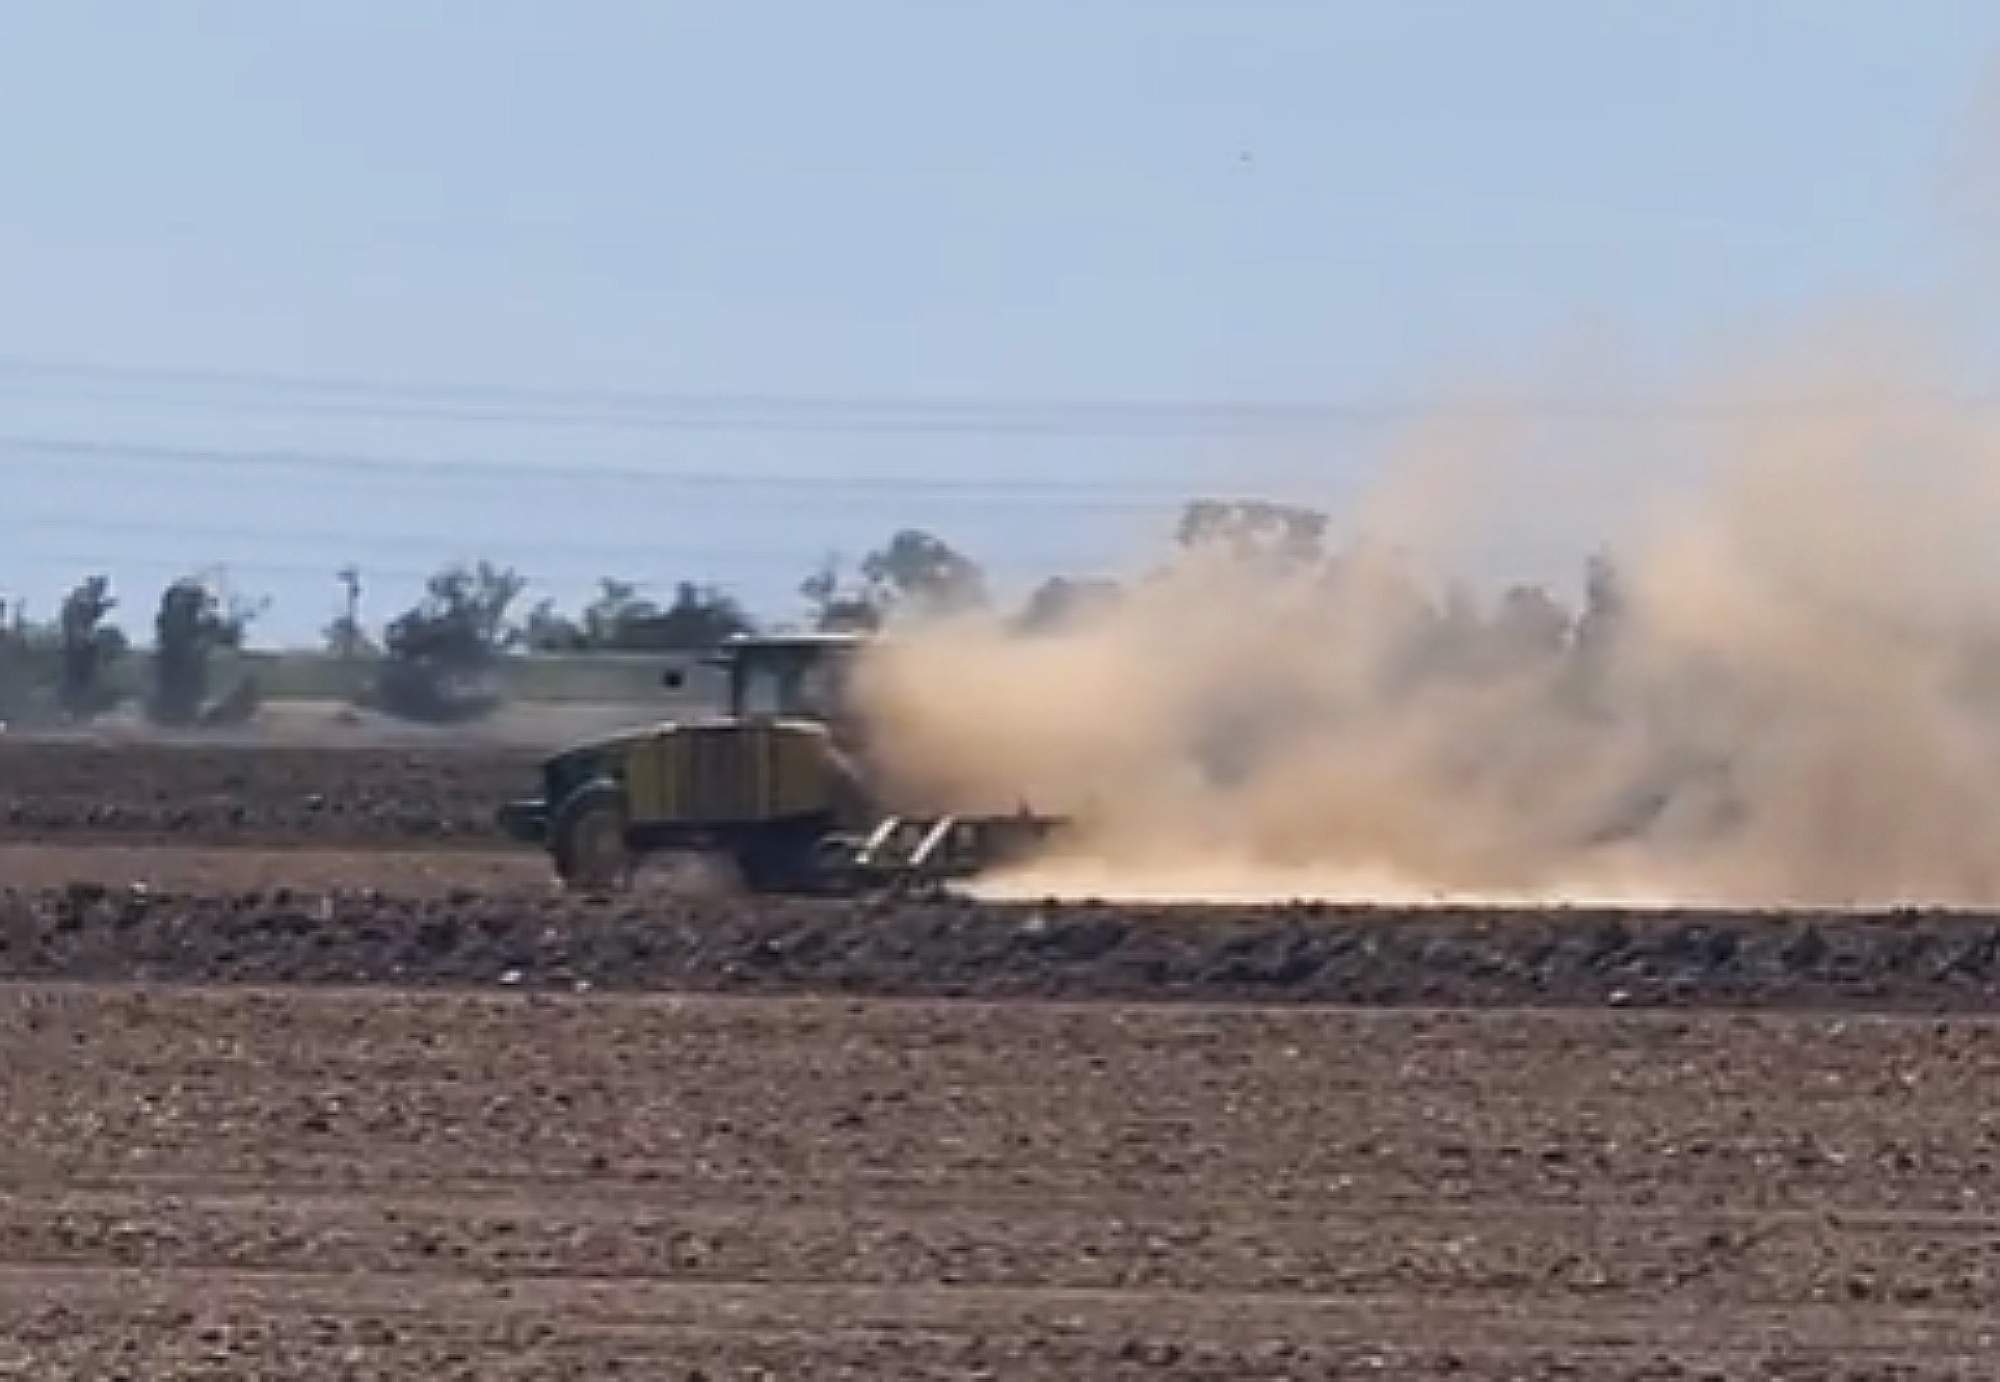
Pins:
<point x="1137" y="201"/>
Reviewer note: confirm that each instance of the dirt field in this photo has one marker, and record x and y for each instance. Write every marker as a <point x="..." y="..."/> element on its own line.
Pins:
<point x="238" y="793"/>
<point x="298" y="1093"/>
<point x="486" y="918"/>
<point x="339" y="1184"/>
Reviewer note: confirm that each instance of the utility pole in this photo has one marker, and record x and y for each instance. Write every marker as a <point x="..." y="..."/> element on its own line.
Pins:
<point x="350" y="579"/>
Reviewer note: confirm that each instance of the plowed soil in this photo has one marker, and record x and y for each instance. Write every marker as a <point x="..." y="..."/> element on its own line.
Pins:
<point x="320" y="1184"/>
<point x="321" y="1099"/>
<point x="455" y="919"/>
<point x="245" y="794"/>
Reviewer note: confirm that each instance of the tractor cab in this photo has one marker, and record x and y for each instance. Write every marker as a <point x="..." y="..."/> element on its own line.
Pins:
<point x="800" y="676"/>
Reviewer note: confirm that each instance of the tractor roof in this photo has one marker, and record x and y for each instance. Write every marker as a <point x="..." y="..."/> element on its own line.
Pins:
<point x="737" y="646"/>
<point x="816" y="639"/>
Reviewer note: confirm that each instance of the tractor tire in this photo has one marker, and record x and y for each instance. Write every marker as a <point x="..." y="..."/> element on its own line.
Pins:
<point x="588" y="840"/>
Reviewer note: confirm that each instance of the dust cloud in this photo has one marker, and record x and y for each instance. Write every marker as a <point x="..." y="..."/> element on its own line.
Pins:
<point x="1781" y="688"/>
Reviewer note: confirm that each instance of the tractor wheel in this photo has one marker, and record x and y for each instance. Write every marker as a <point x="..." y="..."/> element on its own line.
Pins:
<point x="588" y="840"/>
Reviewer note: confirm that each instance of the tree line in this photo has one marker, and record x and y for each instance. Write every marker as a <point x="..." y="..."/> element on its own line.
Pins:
<point x="62" y="667"/>
<point x="436" y="660"/>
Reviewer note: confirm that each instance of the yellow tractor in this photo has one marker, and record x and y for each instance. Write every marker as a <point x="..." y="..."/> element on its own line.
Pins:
<point x="778" y="784"/>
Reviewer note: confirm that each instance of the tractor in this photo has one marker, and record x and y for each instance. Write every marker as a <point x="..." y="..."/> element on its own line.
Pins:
<point x="778" y="784"/>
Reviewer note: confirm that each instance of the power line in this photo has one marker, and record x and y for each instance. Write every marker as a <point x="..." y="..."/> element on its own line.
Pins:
<point x="694" y="404"/>
<point x="716" y="411"/>
<point x="77" y="560"/>
<point x="688" y="412"/>
<point x="596" y="550"/>
<point x="815" y="487"/>
<point x="828" y="421"/>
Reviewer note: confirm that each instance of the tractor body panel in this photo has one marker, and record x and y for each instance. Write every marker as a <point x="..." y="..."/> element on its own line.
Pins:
<point x="737" y="771"/>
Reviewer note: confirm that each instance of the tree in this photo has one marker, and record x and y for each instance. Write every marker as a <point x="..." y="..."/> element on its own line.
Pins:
<point x="1250" y="529"/>
<point x="193" y="623"/>
<point x="88" y="646"/>
<point x="620" y="620"/>
<point x="549" y="630"/>
<point x="618" y="609"/>
<point x="1602" y="626"/>
<point x="837" y="605"/>
<point x="1529" y="627"/>
<point x="701" y="616"/>
<point x="346" y="639"/>
<point x="1061" y="603"/>
<point x="435" y="654"/>
<point x="921" y="572"/>
<point x="462" y="618"/>
<point x="345" y="636"/>
<point x="16" y="659"/>
<point x="1605" y="610"/>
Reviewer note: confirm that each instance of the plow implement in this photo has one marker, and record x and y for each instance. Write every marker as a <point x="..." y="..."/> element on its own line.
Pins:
<point x="903" y="851"/>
